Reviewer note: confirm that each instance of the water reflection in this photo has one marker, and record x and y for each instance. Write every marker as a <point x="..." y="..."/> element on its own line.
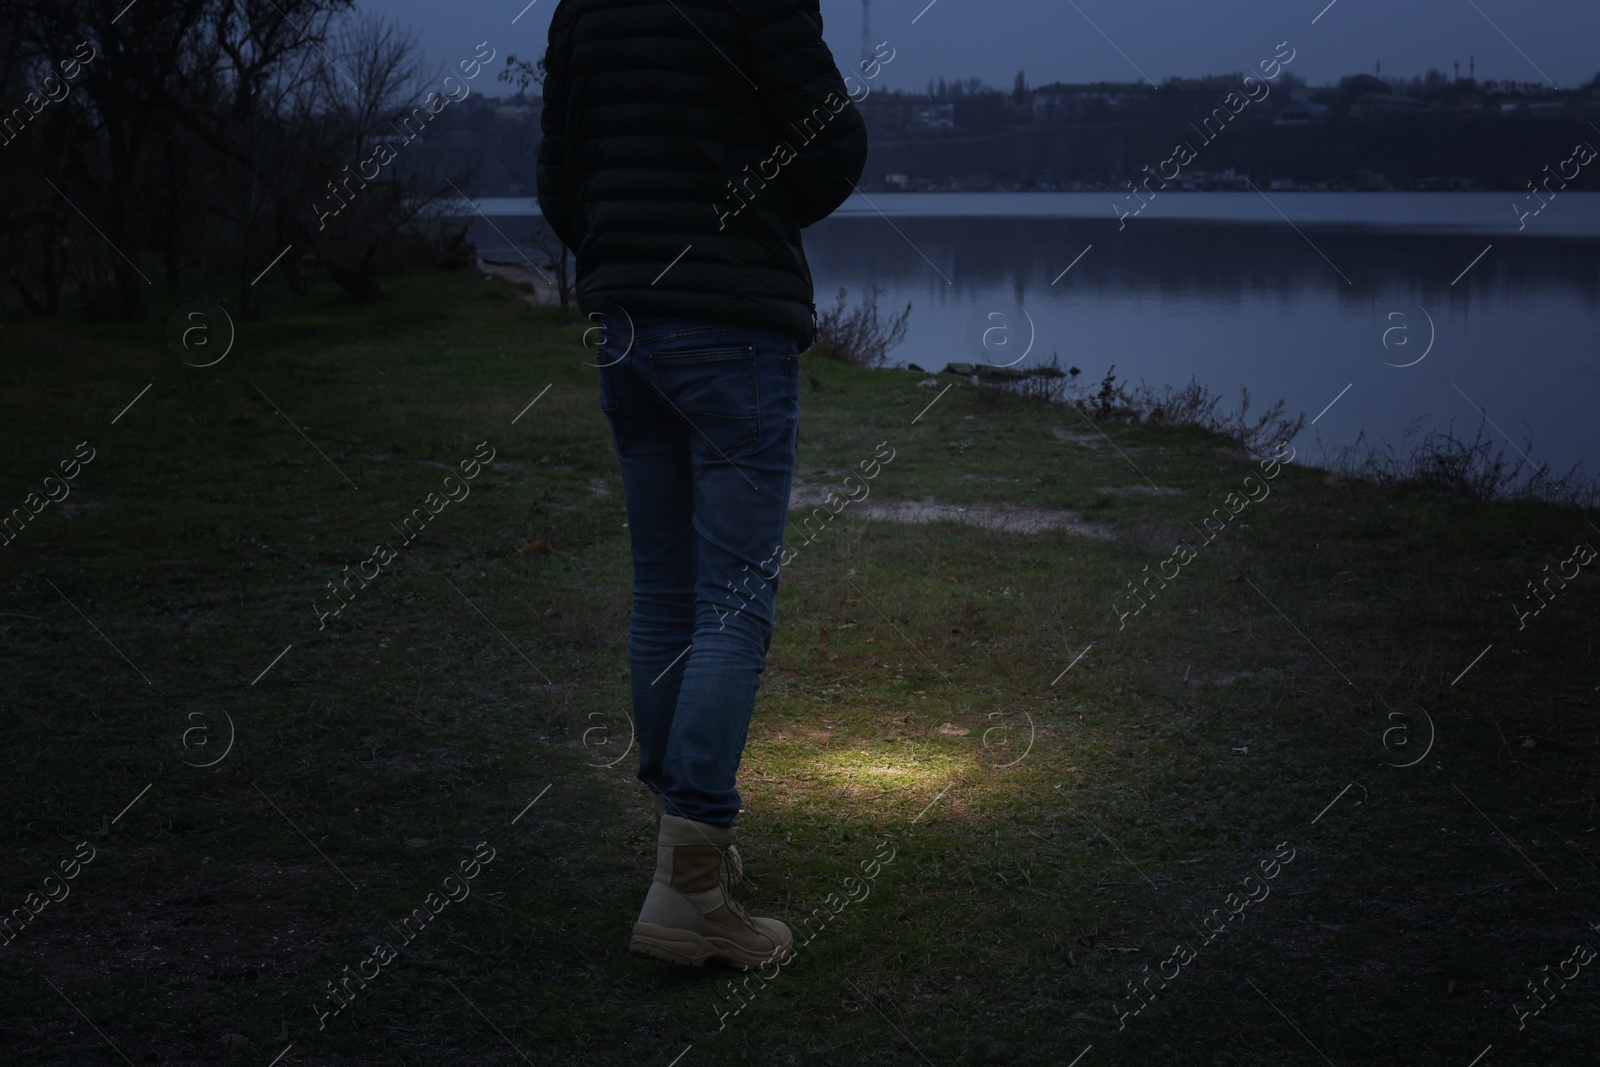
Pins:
<point x="1264" y="307"/>
<point x="1508" y="322"/>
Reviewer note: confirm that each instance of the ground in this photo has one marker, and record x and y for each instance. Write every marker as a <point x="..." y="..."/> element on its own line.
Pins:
<point x="1332" y="710"/>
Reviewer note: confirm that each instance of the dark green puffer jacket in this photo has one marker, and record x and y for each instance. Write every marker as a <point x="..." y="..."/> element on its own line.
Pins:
<point x="686" y="144"/>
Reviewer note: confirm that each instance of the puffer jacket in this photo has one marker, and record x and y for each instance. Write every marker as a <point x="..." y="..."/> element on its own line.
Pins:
<point x="686" y="145"/>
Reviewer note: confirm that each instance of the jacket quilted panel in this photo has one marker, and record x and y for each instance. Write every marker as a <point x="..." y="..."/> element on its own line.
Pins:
<point x="686" y="144"/>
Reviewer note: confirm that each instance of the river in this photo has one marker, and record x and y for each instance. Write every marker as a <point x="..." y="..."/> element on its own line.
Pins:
<point x="1369" y="312"/>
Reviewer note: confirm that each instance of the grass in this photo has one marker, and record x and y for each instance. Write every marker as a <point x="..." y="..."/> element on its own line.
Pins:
<point x="1066" y="799"/>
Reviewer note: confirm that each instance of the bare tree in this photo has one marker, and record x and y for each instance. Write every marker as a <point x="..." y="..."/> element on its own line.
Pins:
<point x="379" y="178"/>
<point x="218" y="133"/>
<point x="556" y="265"/>
<point x="526" y="76"/>
<point x="33" y="215"/>
<point x="120" y="104"/>
<point x="248" y="63"/>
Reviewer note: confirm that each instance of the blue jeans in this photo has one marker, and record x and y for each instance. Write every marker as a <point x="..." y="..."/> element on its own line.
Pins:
<point x="704" y="418"/>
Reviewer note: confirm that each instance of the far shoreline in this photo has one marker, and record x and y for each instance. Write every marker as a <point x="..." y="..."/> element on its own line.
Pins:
<point x="1569" y="215"/>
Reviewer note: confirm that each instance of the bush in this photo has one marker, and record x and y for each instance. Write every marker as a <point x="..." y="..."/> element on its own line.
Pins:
<point x="427" y="243"/>
<point x="858" y="336"/>
<point x="1445" y="463"/>
<point x="1191" y="405"/>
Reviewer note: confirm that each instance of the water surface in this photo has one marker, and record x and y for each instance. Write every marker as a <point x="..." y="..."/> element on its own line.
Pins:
<point x="1391" y="307"/>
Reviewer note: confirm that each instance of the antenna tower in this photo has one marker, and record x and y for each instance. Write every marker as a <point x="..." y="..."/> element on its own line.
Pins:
<point x="866" y="32"/>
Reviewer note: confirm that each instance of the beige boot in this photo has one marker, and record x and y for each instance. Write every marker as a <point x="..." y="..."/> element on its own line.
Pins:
<point x="732" y="870"/>
<point x="688" y="916"/>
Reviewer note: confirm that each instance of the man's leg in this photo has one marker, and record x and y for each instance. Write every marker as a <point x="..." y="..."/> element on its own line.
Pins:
<point x="739" y="391"/>
<point x="658" y="485"/>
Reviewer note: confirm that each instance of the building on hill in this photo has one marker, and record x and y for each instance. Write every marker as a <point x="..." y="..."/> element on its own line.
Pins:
<point x="1384" y="104"/>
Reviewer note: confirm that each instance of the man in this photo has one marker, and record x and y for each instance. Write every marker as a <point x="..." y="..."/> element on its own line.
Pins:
<point x="686" y="144"/>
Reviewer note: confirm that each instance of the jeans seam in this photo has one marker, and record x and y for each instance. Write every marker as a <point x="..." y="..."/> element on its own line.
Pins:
<point x="726" y="327"/>
<point x="755" y="437"/>
<point x="686" y="332"/>
<point x="671" y="358"/>
<point x="755" y="383"/>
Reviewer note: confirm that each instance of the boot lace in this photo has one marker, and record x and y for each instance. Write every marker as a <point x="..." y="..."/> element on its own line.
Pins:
<point x="732" y="871"/>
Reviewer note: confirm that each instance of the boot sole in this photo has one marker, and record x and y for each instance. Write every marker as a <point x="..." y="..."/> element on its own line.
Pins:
<point x="690" y="949"/>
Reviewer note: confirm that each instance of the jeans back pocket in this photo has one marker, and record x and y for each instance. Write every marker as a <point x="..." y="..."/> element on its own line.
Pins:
<point x="713" y="386"/>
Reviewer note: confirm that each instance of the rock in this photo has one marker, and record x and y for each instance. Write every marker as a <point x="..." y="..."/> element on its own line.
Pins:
<point x="913" y="366"/>
<point x="1003" y="374"/>
<point x="928" y="383"/>
<point x="958" y="368"/>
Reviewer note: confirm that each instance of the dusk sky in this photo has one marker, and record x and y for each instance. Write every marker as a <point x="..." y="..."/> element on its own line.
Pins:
<point x="1057" y="40"/>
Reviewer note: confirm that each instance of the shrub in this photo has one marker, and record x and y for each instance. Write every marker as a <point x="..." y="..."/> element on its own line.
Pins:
<point x="1445" y="463"/>
<point x="859" y="336"/>
<point x="1191" y="405"/>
